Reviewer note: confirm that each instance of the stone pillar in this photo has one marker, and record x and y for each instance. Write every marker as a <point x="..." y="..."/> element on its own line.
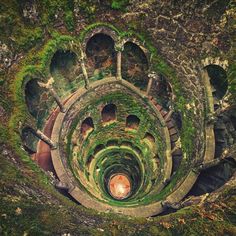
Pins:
<point x="82" y="63"/>
<point x="118" y="73"/>
<point x="149" y="85"/>
<point x="57" y="99"/>
<point x="77" y="48"/>
<point x="45" y="138"/>
<point x="119" y="47"/>
<point x="53" y="93"/>
<point x="152" y="76"/>
<point x="169" y="115"/>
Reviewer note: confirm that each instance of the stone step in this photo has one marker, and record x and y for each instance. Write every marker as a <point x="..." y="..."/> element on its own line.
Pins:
<point x="177" y="152"/>
<point x="170" y="124"/>
<point x="174" y="137"/>
<point x="173" y="131"/>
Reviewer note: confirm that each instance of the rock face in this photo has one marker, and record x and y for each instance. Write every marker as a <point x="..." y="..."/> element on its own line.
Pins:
<point x="6" y="57"/>
<point x="178" y="60"/>
<point x="30" y="11"/>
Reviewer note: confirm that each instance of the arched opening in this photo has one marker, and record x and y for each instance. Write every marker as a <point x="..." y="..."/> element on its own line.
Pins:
<point x="101" y="55"/>
<point x="29" y="140"/>
<point x="132" y="122"/>
<point x="87" y="126"/>
<point x="64" y="63"/>
<point x="162" y="91"/>
<point x="177" y="117"/>
<point x="112" y="143"/>
<point x="98" y="148"/>
<point x="150" y="138"/>
<point x="127" y="143"/>
<point x="109" y="113"/>
<point x="134" y="65"/>
<point x="89" y="160"/>
<point x="66" y="71"/>
<point x="33" y="94"/>
<point x="218" y="80"/>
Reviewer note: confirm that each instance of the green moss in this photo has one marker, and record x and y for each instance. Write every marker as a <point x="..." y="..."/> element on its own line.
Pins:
<point x="231" y="75"/>
<point x="29" y="37"/>
<point x="95" y="25"/>
<point x="119" y="4"/>
<point x="3" y="133"/>
<point x="69" y="20"/>
<point x="87" y="7"/>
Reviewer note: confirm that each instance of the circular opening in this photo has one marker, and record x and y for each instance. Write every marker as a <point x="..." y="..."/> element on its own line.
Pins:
<point x="119" y="186"/>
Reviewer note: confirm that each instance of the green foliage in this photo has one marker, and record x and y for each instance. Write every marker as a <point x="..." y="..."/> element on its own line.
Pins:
<point x="88" y="7"/>
<point x="119" y="4"/>
<point x="28" y="37"/>
<point x="231" y="75"/>
<point x="69" y="20"/>
<point x="95" y="25"/>
<point x="3" y="133"/>
<point x="20" y="115"/>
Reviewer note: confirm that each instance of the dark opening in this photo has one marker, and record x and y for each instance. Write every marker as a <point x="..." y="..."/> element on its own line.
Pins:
<point x="29" y="140"/>
<point x="101" y="54"/>
<point x="98" y="148"/>
<point x="218" y="80"/>
<point x="64" y="63"/>
<point x="213" y="178"/>
<point x="162" y="91"/>
<point x="89" y="160"/>
<point x="132" y="122"/>
<point x="33" y="94"/>
<point x="112" y="143"/>
<point x="134" y="65"/>
<point x="109" y="113"/>
<point x="177" y="117"/>
<point x="149" y="137"/>
<point x="87" y="126"/>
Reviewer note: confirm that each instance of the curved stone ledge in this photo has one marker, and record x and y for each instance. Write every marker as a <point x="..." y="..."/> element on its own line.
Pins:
<point x="87" y="200"/>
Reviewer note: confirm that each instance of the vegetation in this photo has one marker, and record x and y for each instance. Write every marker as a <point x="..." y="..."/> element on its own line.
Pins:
<point x="29" y="203"/>
<point x="119" y="4"/>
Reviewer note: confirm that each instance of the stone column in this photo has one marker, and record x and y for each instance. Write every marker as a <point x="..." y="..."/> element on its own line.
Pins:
<point x="45" y="138"/>
<point x="57" y="99"/>
<point x="170" y="112"/>
<point x="119" y="47"/>
<point x="77" y="48"/>
<point x="82" y="63"/>
<point x="152" y="76"/>
<point x="51" y="90"/>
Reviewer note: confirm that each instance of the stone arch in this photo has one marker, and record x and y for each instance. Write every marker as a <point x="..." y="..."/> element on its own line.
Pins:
<point x="134" y="64"/>
<point x="101" y="55"/>
<point x="218" y="80"/>
<point x="66" y="71"/>
<point x="98" y="148"/>
<point x="109" y="113"/>
<point x="87" y="126"/>
<point x="99" y="30"/>
<point x="162" y="90"/>
<point x="149" y="137"/>
<point x="215" y="61"/>
<point x="29" y="139"/>
<point x="33" y="93"/>
<point x="132" y="122"/>
<point x="139" y="44"/>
